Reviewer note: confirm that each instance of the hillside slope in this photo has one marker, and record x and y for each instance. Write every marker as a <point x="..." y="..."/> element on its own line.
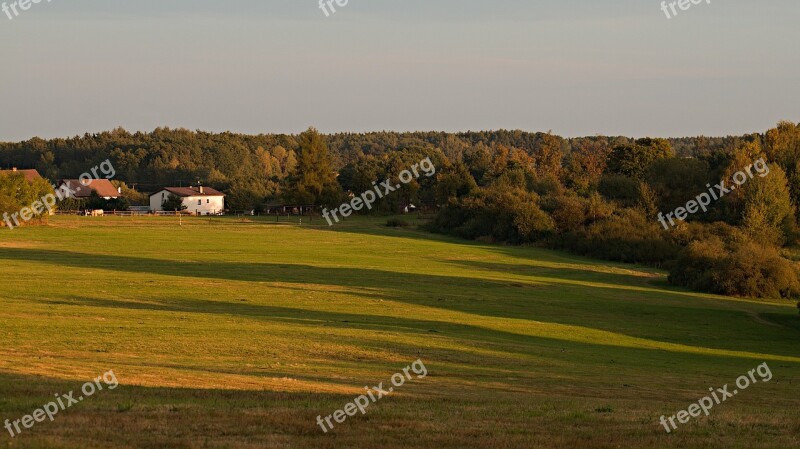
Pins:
<point x="230" y="333"/>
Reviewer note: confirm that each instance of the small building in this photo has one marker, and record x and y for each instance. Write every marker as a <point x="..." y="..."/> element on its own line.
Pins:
<point x="279" y="208"/>
<point x="77" y="189"/>
<point x="30" y="175"/>
<point x="198" y="200"/>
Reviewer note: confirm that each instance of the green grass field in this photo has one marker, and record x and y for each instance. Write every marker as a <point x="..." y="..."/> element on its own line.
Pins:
<point x="231" y="333"/>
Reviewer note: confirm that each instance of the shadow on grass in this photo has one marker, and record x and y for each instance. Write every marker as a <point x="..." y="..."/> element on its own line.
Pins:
<point x="430" y="417"/>
<point x="135" y="416"/>
<point x="572" y="275"/>
<point x="290" y="315"/>
<point x="372" y="227"/>
<point x="502" y="299"/>
<point x="398" y="286"/>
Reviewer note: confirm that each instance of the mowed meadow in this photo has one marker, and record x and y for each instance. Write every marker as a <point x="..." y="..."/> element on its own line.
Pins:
<point x="238" y="333"/>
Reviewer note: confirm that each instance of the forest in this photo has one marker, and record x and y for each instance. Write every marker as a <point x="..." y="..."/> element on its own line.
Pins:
<point x="596" y="196"/>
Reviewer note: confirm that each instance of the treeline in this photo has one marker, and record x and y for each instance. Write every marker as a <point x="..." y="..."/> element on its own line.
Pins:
<point x="599" y="196"/>
<point x="254" y="169"/>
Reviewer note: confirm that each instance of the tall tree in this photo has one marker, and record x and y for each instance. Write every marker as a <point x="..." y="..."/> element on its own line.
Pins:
<point x="782" y="145"/>
<point x="769" y="215"/>
<point x="548" y="154"/>
<point x="634" y="160"/>
<point x="586" y="164"/>
<point x="313" y="180"/>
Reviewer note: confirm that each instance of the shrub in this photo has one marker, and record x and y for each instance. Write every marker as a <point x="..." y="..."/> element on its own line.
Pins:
<point x="758" y="271"/>
<point x="532" y="223"/>
<point x="569" y="212"/>
<point x="696" y="265"/>
<point x="626" y="237"/>
<point x="173" y="202"/>
<point x="397" y="223"/>
<point x="620" y="188"/>
<point x="499" y="213"/>
<point x="735" y="266"/>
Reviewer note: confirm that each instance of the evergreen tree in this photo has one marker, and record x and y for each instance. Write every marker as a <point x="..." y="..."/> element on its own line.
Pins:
<point x="173" y="202"/>
<point x="313" y="180"/>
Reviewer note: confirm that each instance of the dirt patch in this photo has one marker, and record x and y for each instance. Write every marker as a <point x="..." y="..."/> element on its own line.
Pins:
<point x="18" y="245"/>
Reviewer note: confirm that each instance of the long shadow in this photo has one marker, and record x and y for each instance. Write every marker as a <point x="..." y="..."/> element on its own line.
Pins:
<point x="291" y="315"/>
<point x="649" y="316"/>
<point x="159" y="417"/>
<point x="393" y="285"/>
<point x="396" y="285"/>
<point x="562" y="273"/>
<point x="513" y="344"/>
<point x="513" y="252"/>
<point x="401" y="287"/>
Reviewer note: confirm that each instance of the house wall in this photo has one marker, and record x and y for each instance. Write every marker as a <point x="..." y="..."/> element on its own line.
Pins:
<point x="207" y="204"/>
<point x="157" y="199"/>
<point x="204" y="205"/>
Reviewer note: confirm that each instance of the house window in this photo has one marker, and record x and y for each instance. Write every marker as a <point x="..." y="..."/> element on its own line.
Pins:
<point x="208" y="201"/>
<point x="163" y="195"/>
<point x="199" y="202"/>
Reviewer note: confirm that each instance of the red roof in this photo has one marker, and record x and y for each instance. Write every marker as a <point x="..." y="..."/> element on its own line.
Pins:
<point x="184" y="192"/>
<point x="30" y="175"/>
<point x="103" y="187"/>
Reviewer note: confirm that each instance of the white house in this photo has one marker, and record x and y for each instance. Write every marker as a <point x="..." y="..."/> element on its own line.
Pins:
<point x="199" y="200"/>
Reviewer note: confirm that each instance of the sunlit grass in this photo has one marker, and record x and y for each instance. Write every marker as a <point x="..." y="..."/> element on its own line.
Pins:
<point x="263" y="326"/>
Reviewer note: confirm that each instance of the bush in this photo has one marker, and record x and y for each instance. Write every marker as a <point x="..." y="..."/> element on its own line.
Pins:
<point x="626" y="237"/>
<point x="568" y="212"/>
<point x="625" y="190"/>
<point x="696" y="265"/>
<point x="735" y="266"/>
<point x="173" y="202"/>
<point x="397" y="223"/>
<point x="501" y="214"/>
<point x="532" y="223"/>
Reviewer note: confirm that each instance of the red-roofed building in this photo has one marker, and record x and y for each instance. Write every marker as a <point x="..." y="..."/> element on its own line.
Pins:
<point x="30" y="175"/>
<point x="200" y="200"/>
<point x="81" y="190"/>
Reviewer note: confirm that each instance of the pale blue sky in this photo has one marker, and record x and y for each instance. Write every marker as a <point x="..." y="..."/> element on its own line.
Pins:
<point x="577" y="67"/>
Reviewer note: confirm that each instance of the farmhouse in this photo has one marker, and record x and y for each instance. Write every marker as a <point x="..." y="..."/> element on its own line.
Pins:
<point x="80" y="190"/>
<point x="200" y="200"/>
<point x="30" y="175"/>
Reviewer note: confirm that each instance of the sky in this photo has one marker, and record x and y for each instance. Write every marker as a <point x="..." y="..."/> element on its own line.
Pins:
<point x="573" y="67"/>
